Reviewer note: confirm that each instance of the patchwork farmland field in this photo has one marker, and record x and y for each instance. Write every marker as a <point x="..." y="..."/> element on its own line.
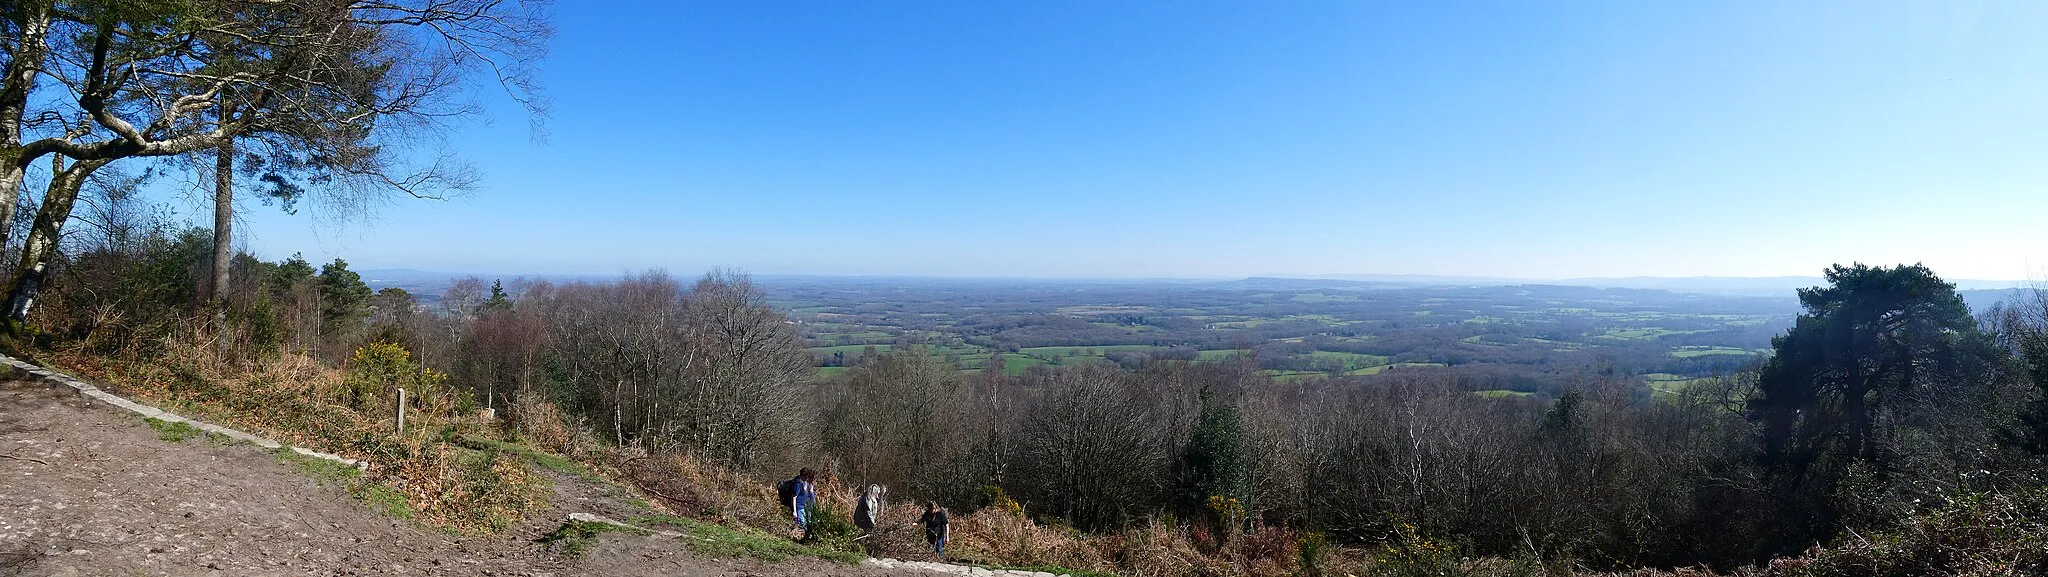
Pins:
<point x="1531" y="339"/>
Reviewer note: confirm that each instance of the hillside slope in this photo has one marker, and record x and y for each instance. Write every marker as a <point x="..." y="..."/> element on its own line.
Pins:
<point x="88" y="490"/>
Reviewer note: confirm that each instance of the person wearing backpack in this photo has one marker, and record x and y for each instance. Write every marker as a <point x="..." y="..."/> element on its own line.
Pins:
<point x="797" y="494"/>
<point x="936" y="528"/>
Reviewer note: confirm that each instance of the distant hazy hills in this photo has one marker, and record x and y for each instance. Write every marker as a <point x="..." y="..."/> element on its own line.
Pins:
<point x="428" y="285"/>
<point x="1727" y="285"/>
<point x="1980" y="294"/>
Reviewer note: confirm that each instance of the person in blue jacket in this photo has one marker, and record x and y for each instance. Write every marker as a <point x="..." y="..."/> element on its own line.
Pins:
<point x="801" y="498"/>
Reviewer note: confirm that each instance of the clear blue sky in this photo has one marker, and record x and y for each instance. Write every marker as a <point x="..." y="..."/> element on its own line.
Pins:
<point x="1197" y="139"/>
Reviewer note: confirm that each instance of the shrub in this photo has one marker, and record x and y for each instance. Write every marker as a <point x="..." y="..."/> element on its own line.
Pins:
<point x="461" y="489"/>
<point x="1413" y="555"/>
<point x="1229" y="515"/>
<point x="265" y="332"/>
<point x="1309" y="552"/>
<point x="377" y="370"/>
<point x="987" y="496"/>
<point x="1993" y="533"/>
<point x="541" y="424"/>
<point x="1215" y="463"/>
<point x="831" y="527"/>
<point x="996" y="536"/>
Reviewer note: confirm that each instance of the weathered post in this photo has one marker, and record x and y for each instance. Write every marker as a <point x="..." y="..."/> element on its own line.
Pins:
<point x="401" y="411"/>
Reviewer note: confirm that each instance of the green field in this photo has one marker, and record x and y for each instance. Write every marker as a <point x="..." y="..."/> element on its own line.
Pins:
<point x="1382" y="368"/>
<point x="1691" y="351"/>
<point x="970" y="359"/>
<point x="850" y="350"/>
<point x="1222" y="355"/>
<point x="1013" y="365"/>
<point x="1238" y="324"/>
<point x="1667" y="385"/>
<point x="1322" y="298"/>
<point x="1354" y="360"/>
<point x="1054" y="353"/>
<point x="852" y="338"/>
<point x="1640" y="333"/>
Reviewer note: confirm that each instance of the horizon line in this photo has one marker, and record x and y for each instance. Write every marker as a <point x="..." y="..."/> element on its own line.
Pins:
<point x="1342" y="277"/>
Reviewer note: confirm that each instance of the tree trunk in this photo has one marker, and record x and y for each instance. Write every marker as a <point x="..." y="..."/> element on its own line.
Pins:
<point x="1856" y="411"/>
<point x="223" y="229"/>
<point x="11" y="173"/>
<point x="14" y="90"/>
<point x="43" y="237"/>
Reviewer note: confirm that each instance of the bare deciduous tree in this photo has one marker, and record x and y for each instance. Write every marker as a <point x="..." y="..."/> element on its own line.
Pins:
<point x="1090" y="450"/>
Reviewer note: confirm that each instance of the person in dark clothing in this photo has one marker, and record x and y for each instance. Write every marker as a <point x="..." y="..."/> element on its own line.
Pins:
<point x="802" y="492"/>
<point x="935" y="528"/>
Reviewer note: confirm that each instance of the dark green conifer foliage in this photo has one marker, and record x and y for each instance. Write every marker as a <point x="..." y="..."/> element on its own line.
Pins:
<point x="1215" y="464"/>
<point x="343" y="295"/>
<point x="1886" y="374"/>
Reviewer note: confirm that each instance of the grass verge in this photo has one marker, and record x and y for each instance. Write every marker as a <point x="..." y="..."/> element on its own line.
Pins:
<point x="384" y="499"/>
<point x="556" y="463"/>
<point x="716" y="540"/>
<point x="574" y="537"/>
<point x="176" y="432"/>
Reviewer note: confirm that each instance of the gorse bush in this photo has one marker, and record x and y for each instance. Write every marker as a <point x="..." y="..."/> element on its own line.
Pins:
<point x="378" y="370"/>
<point x="1229" y="515"/>
<point x="1410" y="554"/>
<point x="987" y="496"/>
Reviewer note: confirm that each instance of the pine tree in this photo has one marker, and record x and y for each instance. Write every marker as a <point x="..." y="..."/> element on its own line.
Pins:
<point x="343" y="296"/>
<point x="498" y="300"/>
<point x="1214" y="463"/>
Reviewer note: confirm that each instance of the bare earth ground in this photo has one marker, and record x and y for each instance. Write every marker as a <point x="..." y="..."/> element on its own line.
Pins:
<point x="91" y="490"/>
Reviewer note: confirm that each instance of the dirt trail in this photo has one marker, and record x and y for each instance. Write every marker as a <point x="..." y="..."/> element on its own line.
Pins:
<point x="88" y="490"/>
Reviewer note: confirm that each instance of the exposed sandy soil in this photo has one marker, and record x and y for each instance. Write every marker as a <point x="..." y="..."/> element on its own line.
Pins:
<point x="90" y="490"/>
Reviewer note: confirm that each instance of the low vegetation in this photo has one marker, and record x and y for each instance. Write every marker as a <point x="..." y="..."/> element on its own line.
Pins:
<point x="381" y="497"/>
<point x="173" y="431"/>
<point x="575" y="537"/>
<point x="723" y="541"/>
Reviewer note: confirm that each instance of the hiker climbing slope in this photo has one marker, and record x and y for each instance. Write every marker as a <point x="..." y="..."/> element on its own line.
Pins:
<point x="936" y="528"/>
<point x="867" y="513"/>
<point x="797" y="494"/>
